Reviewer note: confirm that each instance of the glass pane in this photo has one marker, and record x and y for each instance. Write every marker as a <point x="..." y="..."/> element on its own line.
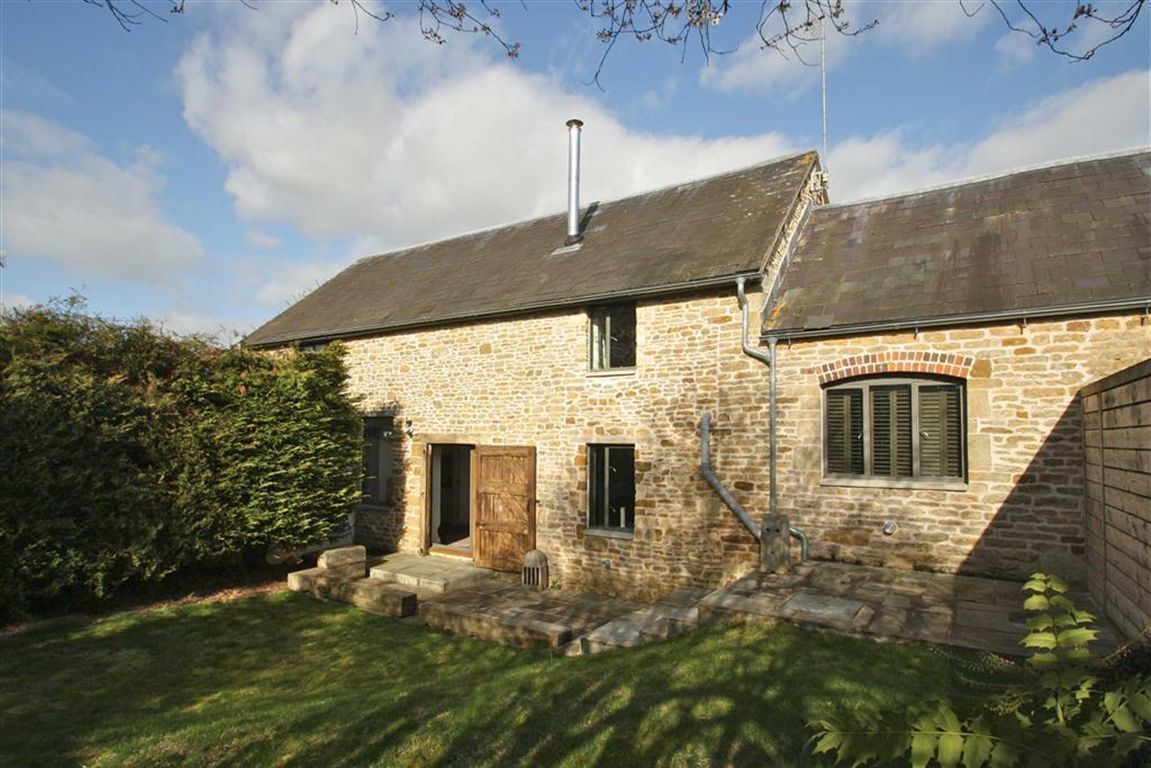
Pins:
<point x="621" y="487"/>
<point x="621" y="321"/>
<point x="378" y="456"/>
<point x="598" y="338"/>
<point x="596" y="489"/>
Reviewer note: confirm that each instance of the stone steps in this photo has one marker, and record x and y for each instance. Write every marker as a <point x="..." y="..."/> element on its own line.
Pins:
<point x="673" y="615"/>
<point x="430" y="574"/>
<point x="455" y="596"/>
<point x="523" y="631"/>
<point x="366" y="594"/>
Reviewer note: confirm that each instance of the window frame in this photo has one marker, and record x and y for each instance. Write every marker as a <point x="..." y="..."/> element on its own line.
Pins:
<point x="594" y="451"/>
<point x="601" y="313"/>
<point x="388" y="437"/>
<point x="916" y="479"/>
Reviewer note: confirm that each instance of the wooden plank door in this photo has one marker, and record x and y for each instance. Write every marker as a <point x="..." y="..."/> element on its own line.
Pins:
<point x="504" y="506"/>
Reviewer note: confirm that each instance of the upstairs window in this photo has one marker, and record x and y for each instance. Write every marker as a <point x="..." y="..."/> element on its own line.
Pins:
<point x="612" y="337"/>
<point x="379" y="460"/>
<point x="611" y="487"/>
<point x="895" y="428"/>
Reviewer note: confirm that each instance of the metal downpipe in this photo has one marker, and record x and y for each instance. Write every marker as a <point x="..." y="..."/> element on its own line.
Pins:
<point x="768" y="360"/>
<point x="713" y="481"/>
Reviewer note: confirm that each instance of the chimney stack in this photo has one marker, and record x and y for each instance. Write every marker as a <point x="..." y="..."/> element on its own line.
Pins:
<point x="573" y="234"/>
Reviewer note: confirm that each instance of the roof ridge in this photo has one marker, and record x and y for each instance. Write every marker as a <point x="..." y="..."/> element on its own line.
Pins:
<point x="1113" y="154"/>
<point x="610" y="201"/>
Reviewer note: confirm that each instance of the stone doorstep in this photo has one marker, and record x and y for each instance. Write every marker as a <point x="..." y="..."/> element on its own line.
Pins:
<point x="523" y="632"/>
<point x="365" y="594"/>
<point x="431" y="579"/>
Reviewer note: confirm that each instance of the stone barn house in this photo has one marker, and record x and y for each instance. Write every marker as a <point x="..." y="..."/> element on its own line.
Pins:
<point x="543" y="385"/>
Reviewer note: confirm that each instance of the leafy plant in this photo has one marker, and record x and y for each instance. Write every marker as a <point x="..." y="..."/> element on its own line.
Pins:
<point x="127" y="454"/>
<point x="1061" y="708"/>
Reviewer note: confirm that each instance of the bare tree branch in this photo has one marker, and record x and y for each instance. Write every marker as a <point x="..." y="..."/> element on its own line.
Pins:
<point x="784" y="26"/>
<point x="1058" y="37"/>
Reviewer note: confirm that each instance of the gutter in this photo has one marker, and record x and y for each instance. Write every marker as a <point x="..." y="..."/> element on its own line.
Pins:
<point x="971" y="318"/>
<point x="593" y="298"/>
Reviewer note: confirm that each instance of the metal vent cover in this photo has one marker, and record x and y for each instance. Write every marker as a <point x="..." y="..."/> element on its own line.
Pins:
<point x="535" y="570"/>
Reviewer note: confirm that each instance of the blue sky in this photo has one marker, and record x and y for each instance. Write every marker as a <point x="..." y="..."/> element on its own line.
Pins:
<point x="206" y="171"/>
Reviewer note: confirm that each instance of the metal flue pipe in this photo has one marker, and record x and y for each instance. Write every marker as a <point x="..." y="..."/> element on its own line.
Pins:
<point x="573" y="233"/>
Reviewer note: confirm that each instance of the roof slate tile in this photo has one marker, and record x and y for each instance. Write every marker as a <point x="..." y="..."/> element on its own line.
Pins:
<point x="1043" y="238"/>
<point x="708" y="229"/>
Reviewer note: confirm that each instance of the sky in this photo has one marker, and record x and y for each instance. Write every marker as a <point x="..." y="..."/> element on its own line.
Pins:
<point x="207" y="169"/>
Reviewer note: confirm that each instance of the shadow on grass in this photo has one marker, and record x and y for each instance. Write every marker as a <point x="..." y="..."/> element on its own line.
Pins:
<point x="290" y="680"/>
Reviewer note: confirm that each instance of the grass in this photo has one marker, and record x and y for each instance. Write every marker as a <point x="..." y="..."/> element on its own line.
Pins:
<point x="284" y="679"/>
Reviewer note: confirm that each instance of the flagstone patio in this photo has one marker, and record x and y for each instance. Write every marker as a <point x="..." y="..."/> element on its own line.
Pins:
<point x="946" y="609"/>
<point x="455" y="596"/>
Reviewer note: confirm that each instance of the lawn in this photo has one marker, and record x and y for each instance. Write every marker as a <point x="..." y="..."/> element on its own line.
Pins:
<point x="283" y="679"/>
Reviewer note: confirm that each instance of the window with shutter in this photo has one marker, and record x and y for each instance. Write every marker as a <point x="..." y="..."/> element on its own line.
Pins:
<point x="844" y="432"/>
<point x="900" y="428"/>
<point x="940" y="443"/>
<point x="891" y="431"/>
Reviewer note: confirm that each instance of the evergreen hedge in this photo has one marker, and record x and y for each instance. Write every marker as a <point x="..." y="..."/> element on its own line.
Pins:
<point x="126" y="455"/>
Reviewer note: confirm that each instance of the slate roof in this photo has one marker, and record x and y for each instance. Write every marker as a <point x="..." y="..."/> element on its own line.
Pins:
<point x="660" y="241"/>
<point x="1065" y="236"/>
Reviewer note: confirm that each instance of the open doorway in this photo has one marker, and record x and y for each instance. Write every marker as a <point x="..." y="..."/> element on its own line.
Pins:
<point x="450" y="499"/>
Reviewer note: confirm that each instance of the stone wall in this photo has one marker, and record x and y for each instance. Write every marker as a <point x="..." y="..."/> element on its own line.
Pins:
<point x="1117" y="435"/>
<point x="525" y="381"/>
<point x="1021" y="506"/>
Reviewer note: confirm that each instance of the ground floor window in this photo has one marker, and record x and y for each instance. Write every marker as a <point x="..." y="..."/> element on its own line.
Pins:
<point x="895" y="428"/>
<point x="611" y="487"/>
<point x="379" y="460"/>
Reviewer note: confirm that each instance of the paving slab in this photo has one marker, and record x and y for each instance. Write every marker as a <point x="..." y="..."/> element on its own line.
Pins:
<point x="514" y="615"/>
<point x="430" y="573"/>
<point x="948" y="609"/>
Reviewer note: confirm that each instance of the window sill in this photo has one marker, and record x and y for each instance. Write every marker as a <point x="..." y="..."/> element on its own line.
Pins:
<point x="608" y="373"/>
<point x="609" y="533"/>
<point x="883" y="482"/>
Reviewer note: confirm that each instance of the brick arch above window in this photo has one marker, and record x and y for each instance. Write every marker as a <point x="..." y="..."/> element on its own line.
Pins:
<point x="878" y="363"/>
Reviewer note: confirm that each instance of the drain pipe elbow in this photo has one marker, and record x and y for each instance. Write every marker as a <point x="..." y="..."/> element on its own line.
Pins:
<point x="709" y="475"/>
<point x="801" y="537"/>
<point x="748" y="349"/>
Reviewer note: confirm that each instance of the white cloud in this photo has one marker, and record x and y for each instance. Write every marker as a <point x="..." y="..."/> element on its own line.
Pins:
<point x="65" y="202"/>
<point x="917" y="29"/>
<point x="283" y="284"/>
<point x="753" y="67"/>
<point x="1100" y="116"/>
<point x="920" y="28"/>
<point x="262" y="240"/>
<point x="1015" y="50"/>
<point x="382" y="136"/>
<point x="10" y="301"/>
